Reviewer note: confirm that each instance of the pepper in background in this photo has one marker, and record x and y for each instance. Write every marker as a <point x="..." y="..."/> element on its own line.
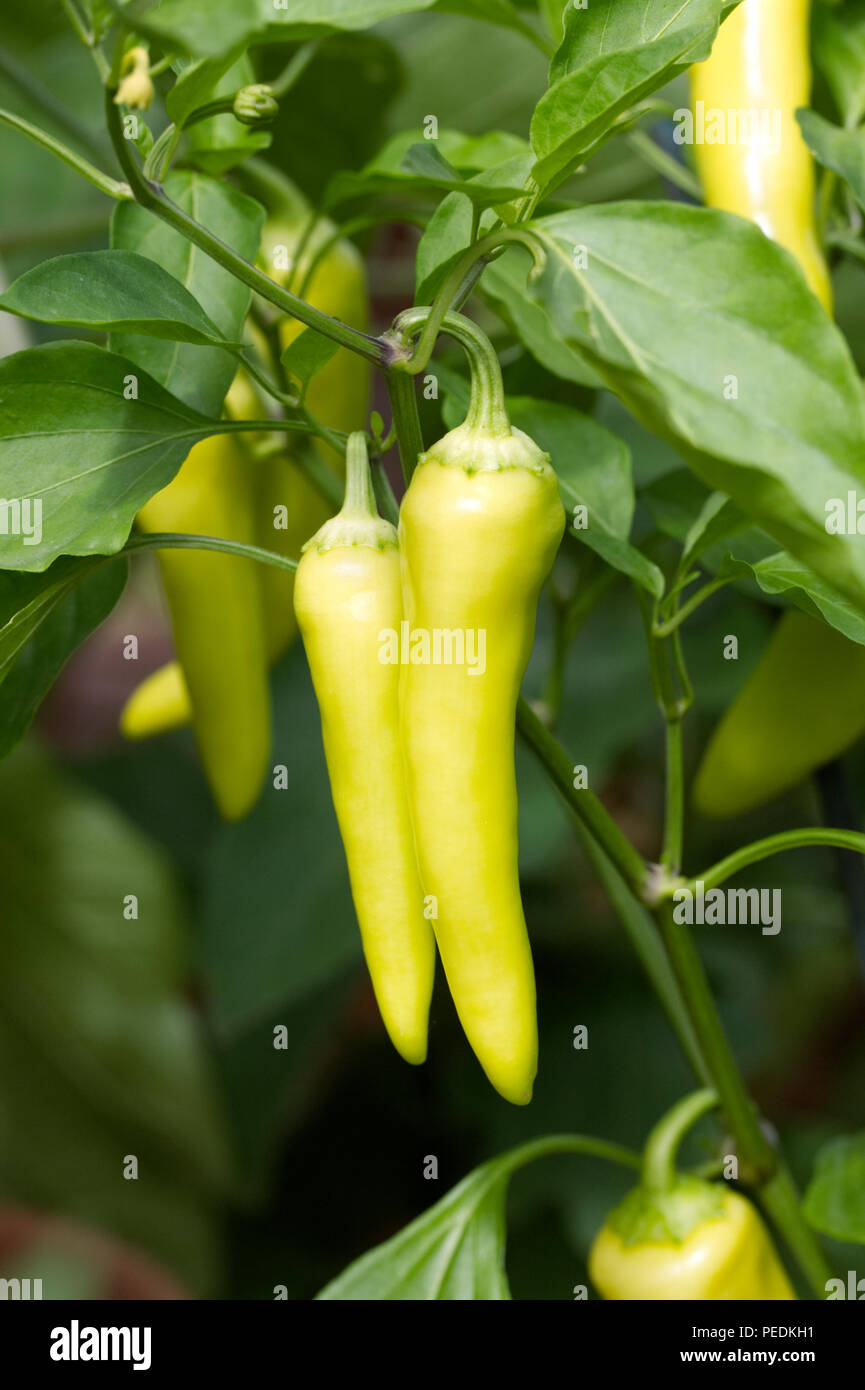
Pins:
<point x="347" y="593"/>
<point x="802" y="706"/>
<point x="676" y="1237"/>
<point x="760" y="63"/>
<point x="217" y="618"/>
<point x="337" y="395"/>
<point x="480" y="525"/>
<point x="805" y="702"/>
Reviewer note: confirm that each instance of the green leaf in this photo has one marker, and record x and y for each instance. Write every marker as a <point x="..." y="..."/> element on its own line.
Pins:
<point x="611" y="57"/>
<point x="718" y="519"/>
<point x="77" y="449"/>
<point x="209" y="27"/>
<point x="737" y="310"/>
<point x="843" y="151"/>
<point x="455" y="1251"/>
<point x="594" y="470"/>
<point x="839" y="53"/>
<point x="100" y="1056"/>
<point x="118" y="290"/>
<point x="781" y="574"/>
<point x="200" y="376"/>
<point x="197" y="84"/>
<point x="500" y="12"/>
<point x="307" y="354"/>
<point x="835" y="1200"/>
<point x="504" y="285"/>
<point x="451" y="228"/>
<point x="406" y="164"/>
<point x="43" y="618"/>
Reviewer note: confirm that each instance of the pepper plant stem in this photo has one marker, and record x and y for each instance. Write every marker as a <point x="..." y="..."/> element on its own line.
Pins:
<point x="585" y="804"/>
<point x="403" y="404"/>
<point x="153" y="196"/>
<point x="777" y="844"/>
<point x="662" y="1145"/>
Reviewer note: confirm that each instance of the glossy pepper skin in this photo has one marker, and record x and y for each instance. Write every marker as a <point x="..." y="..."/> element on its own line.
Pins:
<point x="479" y="528"/>
<point x="728" y="1256"/>
<point x="760" y="62"/>
<point x="338" y="396"/>
<point x="217" y="619"/>
<point x="802" y="706"/>
<point x="347" y="592"/>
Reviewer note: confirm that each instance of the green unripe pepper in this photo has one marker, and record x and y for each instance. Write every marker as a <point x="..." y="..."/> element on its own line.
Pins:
<point x="802" y="706"/>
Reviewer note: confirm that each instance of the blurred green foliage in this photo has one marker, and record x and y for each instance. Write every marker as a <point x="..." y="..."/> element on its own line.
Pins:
<point x="261" y="1166"/>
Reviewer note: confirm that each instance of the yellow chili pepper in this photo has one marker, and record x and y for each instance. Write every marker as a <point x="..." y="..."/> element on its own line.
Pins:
<point x="217" y="619"/>
<point x="759" y="67"/>
<point x="337" y="395"/>
<point x="347" y="593"/>
<point x="803" y="705"/>
<point x="728" y="1256"/>
<point x="479" y="527"/>
<point x="676" y="1237"/>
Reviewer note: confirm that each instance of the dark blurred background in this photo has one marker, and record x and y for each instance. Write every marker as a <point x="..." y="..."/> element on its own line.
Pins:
<point x="151" y="1035"/>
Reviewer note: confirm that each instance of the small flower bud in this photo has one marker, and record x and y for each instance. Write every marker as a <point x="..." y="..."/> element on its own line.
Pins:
<point x="255" y="105"/>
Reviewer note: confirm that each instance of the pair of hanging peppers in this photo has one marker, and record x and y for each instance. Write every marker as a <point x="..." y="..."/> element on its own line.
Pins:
<point x="805" y="702"/>
<point x="677" y="1237"/>
<point x="417" y="642"/>
<point x="231" y="619"/>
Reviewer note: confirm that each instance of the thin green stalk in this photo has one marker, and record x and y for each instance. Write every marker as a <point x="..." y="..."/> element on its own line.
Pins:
<point x="667" y="628"/>
<point x="436" y="314"/>
<point x="294" y="68"/>
<point x="674" y="808"/>
<point x="384" y="496"/>
<point x="403" y="404"/>
<point x="755" y="1150"/>
<point x="584" y="1144"/>
<point x="783" y="1204"/>
<point x="169" y="540"/>
<point x="659" y="1155"/>
<point x="664" y="163"/>
<point x="777" y="844"/>
<point x="585" y="804"/>
<point x="113" y="187"/>
<point x="45" y="99"/>
<point x="151" y="195"/>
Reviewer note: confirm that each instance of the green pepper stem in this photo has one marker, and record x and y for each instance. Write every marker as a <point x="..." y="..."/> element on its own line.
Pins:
<point x="486" y="410"/>
<point x="451" y="293"/>
<point x="182" y="540"/>
<point x="662" y="1145"/>
<point x="359" y="494"/>
<point x="853" y="840"/>
<point x="152" y="195"/>
<point x="113" y="187"/>
<point x="406" y="422"/>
